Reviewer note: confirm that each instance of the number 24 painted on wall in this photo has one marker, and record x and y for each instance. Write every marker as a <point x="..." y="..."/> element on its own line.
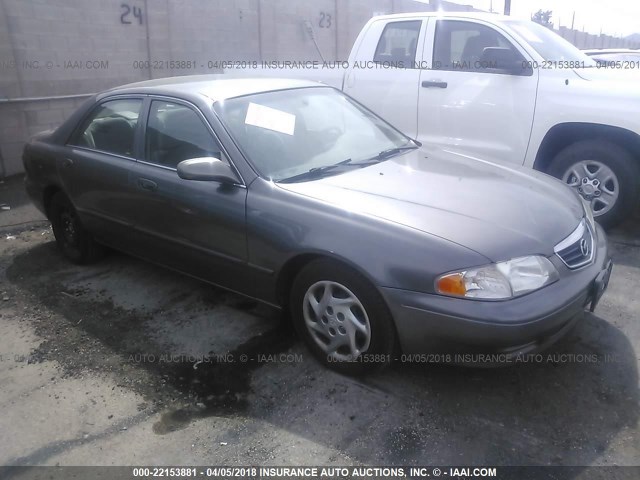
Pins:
<point x="127" y="10"/>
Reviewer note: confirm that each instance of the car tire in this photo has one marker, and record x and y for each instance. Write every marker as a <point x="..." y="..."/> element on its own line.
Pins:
<point x="615" y="171"/>
<point x="353" y="314"/>
<point x="75" y="242"/>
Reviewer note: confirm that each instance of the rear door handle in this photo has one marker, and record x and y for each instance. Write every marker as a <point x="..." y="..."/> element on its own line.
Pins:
<point x="147" y="184"/>
<point x="67" y="163"/>
<point x="434" y="84"/>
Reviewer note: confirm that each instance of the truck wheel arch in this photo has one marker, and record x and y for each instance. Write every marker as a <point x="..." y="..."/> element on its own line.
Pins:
<point x="601" y="163"/>
<point x="562" y="135"/>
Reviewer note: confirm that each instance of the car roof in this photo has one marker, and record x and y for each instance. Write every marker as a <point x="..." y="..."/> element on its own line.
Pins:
<point x="216" y="87"/>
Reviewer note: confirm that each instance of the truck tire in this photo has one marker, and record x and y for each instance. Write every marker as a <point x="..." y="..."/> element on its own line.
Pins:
<point x="75" y="242"/>
<point x="604" y="174"/>
<point x="334" y="310"/>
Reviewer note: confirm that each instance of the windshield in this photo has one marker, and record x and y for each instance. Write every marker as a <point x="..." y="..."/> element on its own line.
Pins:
<point x="291" y="132"/>
<point x="549" y="45"/>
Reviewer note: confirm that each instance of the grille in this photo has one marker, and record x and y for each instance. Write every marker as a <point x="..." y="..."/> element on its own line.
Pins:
<point x="578" y="248"/>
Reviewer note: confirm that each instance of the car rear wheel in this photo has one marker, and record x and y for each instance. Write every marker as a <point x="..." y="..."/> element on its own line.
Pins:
<point x="604" y="174"/>
<point x="75" y="242"/>
<point x="342" y="318"/>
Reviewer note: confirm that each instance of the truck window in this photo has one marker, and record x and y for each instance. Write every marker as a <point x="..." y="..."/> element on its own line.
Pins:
<point x="398" y="44"/>
<point x="460" y="45"/>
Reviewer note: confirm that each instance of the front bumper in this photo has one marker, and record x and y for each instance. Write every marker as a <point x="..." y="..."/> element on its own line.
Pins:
<point x="427" y="322"/>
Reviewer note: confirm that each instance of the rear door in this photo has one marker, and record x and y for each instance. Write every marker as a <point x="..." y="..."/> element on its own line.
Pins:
<point x="468" y="106"/>
<point x="197" y="227"/>
<point x="97" y="165"/>
<point x="384" y="75"/>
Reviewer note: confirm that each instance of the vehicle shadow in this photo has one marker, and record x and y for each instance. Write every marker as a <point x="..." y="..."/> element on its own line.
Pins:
<point x="570" y="407"/>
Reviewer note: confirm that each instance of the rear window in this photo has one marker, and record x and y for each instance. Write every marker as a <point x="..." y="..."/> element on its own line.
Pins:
<point x="110" y="128"/>
<point x="398" y="44"/>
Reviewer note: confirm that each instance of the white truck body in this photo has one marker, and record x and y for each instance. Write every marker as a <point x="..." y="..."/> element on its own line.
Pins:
<point x="428" y="75"/>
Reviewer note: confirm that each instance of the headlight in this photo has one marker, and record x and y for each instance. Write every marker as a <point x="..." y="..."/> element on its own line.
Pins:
<point x="499" y="281"/>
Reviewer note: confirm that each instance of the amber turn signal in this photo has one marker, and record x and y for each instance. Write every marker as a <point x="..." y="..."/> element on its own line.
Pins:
<point x="452" y="285"/>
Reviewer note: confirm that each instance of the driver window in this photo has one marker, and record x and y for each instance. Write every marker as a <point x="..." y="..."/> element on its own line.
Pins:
<point x="176" y="133"/>
<point x="459" y="46"/>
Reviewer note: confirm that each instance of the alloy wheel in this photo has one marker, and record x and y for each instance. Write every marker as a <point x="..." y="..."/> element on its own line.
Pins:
<point x="336" y="320"/>
<point x="596" y="183"/>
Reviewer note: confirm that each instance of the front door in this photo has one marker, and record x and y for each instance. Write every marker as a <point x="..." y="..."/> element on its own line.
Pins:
<point x="197" y="227"/>
<point x="468" y="106"/>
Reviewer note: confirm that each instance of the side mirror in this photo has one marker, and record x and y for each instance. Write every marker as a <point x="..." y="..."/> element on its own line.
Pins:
<point x="505" y="60"/>
<point x="207" y="169"/>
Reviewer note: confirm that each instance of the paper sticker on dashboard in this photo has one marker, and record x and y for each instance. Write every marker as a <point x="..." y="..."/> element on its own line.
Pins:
<point x="270" y="118"/>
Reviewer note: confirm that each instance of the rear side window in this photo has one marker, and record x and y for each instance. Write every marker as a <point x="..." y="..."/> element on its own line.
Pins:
<point x="398" y="44"/>
<point x="110" y="127"/>
<point x="460" y="46"/>
<point x="175" y="133"/>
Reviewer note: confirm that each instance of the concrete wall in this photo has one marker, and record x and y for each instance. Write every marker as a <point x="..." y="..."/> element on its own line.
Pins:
<point x="587" y="40"/>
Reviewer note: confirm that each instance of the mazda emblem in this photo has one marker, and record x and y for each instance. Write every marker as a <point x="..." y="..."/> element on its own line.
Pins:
<point x="584" y="247"/>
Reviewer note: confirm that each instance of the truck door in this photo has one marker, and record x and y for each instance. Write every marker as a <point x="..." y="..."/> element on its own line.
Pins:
<point x="468" y="104"/>
<point x="384" y="74"/>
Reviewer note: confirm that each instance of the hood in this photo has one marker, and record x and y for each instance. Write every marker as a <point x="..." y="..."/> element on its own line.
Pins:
<point x="499" y="211"/>
<point x="616" y="75"/>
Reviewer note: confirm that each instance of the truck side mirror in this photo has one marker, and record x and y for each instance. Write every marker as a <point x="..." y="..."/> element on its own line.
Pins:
<point x="505" y="60"/>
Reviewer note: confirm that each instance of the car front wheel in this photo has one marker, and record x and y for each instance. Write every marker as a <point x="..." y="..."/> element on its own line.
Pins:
<point x="342" y="318"/>
<point x="604" y="174"/>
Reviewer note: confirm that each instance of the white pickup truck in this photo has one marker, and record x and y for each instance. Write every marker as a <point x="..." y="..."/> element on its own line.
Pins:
<point x="500" y="89"/>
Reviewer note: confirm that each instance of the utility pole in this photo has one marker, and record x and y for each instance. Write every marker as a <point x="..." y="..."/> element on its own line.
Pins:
<point x="507" y="7"/>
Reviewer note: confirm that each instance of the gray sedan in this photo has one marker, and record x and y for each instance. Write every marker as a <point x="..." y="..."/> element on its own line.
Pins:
<point x="294" y="194"/>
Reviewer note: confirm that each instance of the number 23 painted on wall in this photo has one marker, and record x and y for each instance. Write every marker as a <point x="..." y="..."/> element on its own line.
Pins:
<point x="325" y="20"/>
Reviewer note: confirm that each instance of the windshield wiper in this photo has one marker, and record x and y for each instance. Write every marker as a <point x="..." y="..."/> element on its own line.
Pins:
<point x="317" y="172"/>
<point x="383" y="155"/>
<point x="328" y="168"/>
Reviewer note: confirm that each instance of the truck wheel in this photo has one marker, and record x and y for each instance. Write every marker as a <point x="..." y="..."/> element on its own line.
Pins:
<point x="75" y="242"/>
<point x="604" y="174"/>
<point x="341" y="317"/>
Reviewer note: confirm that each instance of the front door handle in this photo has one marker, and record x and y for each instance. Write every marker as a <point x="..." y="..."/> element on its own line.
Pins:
<point x="67" y="163"/>
<point x="147" y="184"/>
<point x="434" y="84"/>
